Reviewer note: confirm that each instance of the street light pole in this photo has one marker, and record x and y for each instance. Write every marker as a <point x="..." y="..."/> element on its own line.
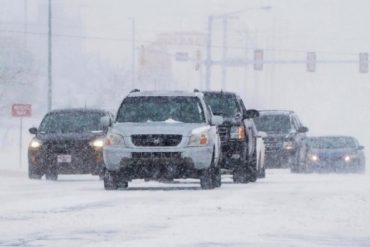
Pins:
<point x="224" y="51"/>
<point x="50" y="60"/>
<point x="133" y="58"/>
<point x="208" y="62"/>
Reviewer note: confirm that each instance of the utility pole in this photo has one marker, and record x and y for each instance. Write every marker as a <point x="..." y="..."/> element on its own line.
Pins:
<point x="224" y="51"/>
<point x="50" y="60"/>
<point x="133" y="59"/>
<point x="25" y="21"/>
<point x="209" y="55"/>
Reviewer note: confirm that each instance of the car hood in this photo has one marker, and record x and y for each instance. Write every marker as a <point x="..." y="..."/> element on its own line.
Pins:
<point x="69" y="136"/>
<point x="276" y="137"/>
<point x="153" y="128"/>
<point x="231" y="121"/>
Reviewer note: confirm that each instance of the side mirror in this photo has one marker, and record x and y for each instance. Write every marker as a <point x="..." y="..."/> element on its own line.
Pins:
<point x="303" y="129"/>
<point x="105" y="122"/>
<point x="33" y="130"/>
<point x="217" y="120"/>
<point x="261" y="134"/>
<point x="361" y="147"/>
<point x="251" y="114"/>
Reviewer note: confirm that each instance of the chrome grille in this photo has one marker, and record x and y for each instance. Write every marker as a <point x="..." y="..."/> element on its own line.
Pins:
<point x="156" y="140"/>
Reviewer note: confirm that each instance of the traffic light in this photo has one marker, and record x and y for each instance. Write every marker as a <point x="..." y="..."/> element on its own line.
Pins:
<point x="311" y="62"/>
<point x="258" y="59"/>
<point x="364" y="62"/>
<point x="198" y="60"/>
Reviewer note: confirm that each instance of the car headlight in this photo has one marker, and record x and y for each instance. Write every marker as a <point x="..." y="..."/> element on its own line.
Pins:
<point x="35" y="143"/>
<point x="199" y="137"/>
<point x="289" y="145"/>
<point x="98" y="143"/>
<point x="237" y="132"/>
<point x="313" y="157"/>
<point x="114" y="139"/>
<point x="349" y="158"/>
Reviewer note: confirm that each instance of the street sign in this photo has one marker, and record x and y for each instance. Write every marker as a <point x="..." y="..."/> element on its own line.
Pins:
<point x="311" y="61"/>
<point x="21" y="110"/>
<point x="364" y="62"/>
<point x="258" y="59"/>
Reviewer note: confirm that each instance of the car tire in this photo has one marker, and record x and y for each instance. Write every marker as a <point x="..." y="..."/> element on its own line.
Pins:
<point x="252" y="169"/>
<point x="263" y="173"/>
<point x="206" y="180"/>
<point x="34" y="174"/>
<point x="240" y="176"/>
<point x="252" y="175"/>
<point x="217" y="177"/>
<point x="51" y="174"/>
<point x="110" y="180"/>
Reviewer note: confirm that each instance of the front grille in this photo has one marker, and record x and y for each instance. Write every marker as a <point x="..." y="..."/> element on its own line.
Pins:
<point x="156" y="140"/>
<point x="224" y="133"/>
<point x="156" y="155"/>
<point x="66" y="147"/>
<point x="273" y="144"/>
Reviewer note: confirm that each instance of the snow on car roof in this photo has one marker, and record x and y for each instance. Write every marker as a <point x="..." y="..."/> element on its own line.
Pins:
<point x="275" y="112"/>
<point x="77" y="110"/>
<point x="163" y="94"/>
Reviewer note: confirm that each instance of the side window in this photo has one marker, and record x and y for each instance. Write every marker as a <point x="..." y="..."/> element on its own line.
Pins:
<point x="244" y="110"/>
<point x="296" y="123"/>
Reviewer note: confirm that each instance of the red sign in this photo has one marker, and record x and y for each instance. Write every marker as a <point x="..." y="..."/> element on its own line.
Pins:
<point x="21" y="110"/>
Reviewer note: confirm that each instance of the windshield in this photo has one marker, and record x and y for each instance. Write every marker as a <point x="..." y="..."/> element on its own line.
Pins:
<point x="222" y="104"/>
<point x="273" y="123"/>
<point x="71" y="122"/>
<point x="331" y="142"/>
<point x="161" y="109"/>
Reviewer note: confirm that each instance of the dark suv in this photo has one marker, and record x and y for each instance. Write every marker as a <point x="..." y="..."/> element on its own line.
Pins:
<point x="285" y="134"/>
<point x="68" y="141"/>
<point x="237" y="134"/>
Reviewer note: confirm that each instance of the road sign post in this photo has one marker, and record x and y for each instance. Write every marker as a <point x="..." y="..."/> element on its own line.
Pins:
<point x="21" y="110"/>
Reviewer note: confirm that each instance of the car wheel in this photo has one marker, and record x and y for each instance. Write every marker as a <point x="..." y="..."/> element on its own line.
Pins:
<point x="110" y="180"/>
<point x="206" y="180"/>
<point x="240" y="176"/>
<point x="34" y="174"/>
<point x="52" y="174"/>
<point x="252" y="176"/>
<point x="217" y="177"/>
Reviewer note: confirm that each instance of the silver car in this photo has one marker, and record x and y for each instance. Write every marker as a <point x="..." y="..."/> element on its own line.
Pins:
<point x="160" y="136"/>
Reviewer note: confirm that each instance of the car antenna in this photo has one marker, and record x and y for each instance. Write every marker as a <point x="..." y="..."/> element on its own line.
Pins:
<point x="135" y="90"/>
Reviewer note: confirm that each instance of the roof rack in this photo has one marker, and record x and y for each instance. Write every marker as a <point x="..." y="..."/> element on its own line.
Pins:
<point x="135" y="90"/>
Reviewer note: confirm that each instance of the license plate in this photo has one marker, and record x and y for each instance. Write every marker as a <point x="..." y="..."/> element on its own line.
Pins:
<point x="64" y="158"/>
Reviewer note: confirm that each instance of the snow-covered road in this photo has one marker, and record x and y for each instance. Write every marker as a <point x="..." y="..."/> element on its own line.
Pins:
<point x="283" y="209"/>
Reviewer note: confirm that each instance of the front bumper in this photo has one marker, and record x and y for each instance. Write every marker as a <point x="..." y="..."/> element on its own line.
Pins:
<point x="88" y="162"/>
<point x="197" y="158"/>
<point x="334" y="166"/>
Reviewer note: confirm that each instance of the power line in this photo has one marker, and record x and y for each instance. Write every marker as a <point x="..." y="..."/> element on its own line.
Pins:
<point x="86" y="37"/>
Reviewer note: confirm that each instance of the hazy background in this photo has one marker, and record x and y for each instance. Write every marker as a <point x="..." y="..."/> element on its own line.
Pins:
<point x="92" y="56"/>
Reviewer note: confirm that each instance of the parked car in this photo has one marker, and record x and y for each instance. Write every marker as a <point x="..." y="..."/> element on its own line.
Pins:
<point x="68" y="141"/>
<point x="285" y="134"/>
<point x="162" y="135"/>
<point x="240" y="152"/>
<point x="332" y="153"/>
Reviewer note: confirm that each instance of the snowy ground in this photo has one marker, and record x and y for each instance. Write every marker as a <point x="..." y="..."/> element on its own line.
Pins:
<point x="283" y="209"/>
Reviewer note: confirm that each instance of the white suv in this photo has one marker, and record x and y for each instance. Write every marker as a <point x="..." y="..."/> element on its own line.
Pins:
<point x="162" y="135"/>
